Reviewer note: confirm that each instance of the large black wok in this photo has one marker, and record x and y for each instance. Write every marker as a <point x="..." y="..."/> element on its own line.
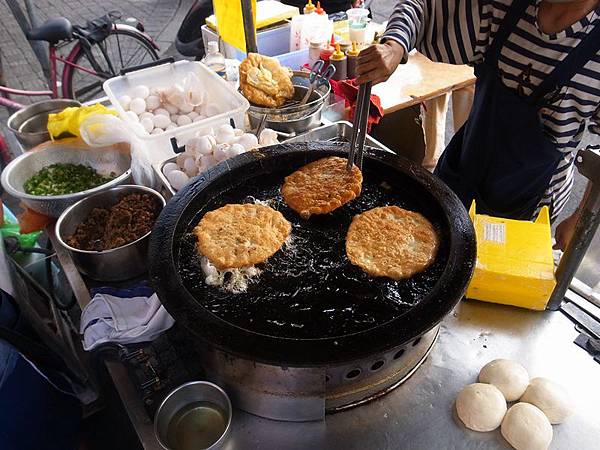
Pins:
<point x="310" y="306"/>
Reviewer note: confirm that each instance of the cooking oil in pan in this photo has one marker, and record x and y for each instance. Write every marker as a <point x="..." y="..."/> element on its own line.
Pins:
<point x="196" y="426"/>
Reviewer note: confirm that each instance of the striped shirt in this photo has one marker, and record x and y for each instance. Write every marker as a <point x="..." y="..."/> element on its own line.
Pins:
<point x="460" y="32"/>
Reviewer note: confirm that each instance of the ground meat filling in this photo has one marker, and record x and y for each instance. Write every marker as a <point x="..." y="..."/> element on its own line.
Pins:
<point x="131" y="218"/>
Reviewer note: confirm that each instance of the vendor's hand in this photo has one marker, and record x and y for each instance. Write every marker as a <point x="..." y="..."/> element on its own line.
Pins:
<point x="564" y="231"/>
<point x="377" y="62"/>
<point x="357" y="3"/>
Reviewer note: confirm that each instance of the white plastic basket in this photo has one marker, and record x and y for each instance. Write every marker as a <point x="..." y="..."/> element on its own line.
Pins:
<point x="165" y="73"/>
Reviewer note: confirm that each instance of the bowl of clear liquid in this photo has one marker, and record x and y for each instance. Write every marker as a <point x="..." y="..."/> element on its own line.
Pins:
<point x="196" y="415"/>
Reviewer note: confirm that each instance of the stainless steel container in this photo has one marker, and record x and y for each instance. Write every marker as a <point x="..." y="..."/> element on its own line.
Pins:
<point x="184" y="397"/>
<point x="103" y="159"/>
<point x="29" y="123"/>
<point x="116" y="264"/>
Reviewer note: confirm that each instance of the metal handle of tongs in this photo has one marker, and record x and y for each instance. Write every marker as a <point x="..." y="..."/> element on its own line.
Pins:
<point x="359" y="131"/>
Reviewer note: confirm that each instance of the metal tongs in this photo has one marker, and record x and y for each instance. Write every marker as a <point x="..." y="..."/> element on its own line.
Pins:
<point x="359" y="126"/>
<point x="318" y="77"/>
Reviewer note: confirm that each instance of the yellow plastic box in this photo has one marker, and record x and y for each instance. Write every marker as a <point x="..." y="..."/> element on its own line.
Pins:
<point x="514" y="261"/>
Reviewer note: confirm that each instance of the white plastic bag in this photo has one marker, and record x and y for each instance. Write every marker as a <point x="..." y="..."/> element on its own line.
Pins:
<point x="102" y="130"/>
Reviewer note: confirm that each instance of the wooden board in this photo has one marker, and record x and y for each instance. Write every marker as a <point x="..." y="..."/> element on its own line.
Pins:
<point x="421" y="79"/>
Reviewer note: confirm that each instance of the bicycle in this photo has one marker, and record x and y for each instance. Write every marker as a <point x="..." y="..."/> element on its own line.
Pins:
<point x="103" y="47"/>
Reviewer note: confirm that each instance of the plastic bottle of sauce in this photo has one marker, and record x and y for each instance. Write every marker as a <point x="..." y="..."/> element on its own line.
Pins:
<point x="309" y="7"/>
<point x="327" y="50"/>
<point x="314" y="52"/>
<point x="320" y="10"/>
<point x="339" y="61"/>
<point x="352" y="55"/>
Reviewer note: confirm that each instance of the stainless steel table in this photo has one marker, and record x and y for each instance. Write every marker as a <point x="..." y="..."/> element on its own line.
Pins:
<point x="420" y="413"/>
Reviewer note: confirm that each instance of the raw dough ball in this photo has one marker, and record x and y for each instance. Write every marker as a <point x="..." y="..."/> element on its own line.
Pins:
<point x="550" y="397"/>
<point x="152" y="102"/>
<point x="140" y="91"/>
<point x="125" y="101"/>
<point x="509" y="376"/>
<point x="177" y="179"/>
<point x="481" y="407"/>
<point x="137" y="105"/>
<point x="172" y="109"/>
<point x="525" y="427"/>
<point x="248" y="141"/>
<point x="161" y="121"/>
<point x="183" y="120"/>
<point x="170" y="167"/>
<point x="161" y="112"/>
<point x="235" y="150"/>
<point x="148" y="124"/>
<point x="220" y="152"/>
<point x="186" y="108"/>
<point x="148" y="115"/>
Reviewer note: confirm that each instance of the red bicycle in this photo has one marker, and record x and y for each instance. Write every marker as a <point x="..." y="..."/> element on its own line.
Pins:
<point x="101" y="50"/>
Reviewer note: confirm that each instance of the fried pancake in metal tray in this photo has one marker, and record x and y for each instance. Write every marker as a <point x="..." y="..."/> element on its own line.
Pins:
<point x="235" y="235"/>
<point x="391" y="242"/>
<point x="321" y="186"/>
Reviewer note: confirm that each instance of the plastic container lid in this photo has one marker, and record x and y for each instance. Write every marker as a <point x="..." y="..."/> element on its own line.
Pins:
<point x="354" y="51"/>
<point x="319" y="10"/>
<point x="358" y="17"/>
<point x="338" y="54"/>
<point x="309" y="7"/>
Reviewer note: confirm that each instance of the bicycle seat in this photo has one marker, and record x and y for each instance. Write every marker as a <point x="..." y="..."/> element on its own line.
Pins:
<point x="52" y="31"/>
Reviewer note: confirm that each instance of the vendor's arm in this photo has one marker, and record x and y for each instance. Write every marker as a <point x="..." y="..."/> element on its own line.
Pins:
<point x="450" y="31"/>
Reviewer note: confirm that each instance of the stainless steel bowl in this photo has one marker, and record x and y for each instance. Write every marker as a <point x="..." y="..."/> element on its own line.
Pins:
<point x="121" y="263"/>
<point x="104" y="159"/>
<point x="183" y="398"/>
<point x="29" y="123"/>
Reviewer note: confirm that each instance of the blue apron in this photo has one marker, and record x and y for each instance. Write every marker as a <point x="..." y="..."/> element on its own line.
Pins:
<point x="502" y="157"/>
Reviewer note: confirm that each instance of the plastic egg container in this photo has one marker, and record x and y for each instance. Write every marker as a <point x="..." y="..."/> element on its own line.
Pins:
<point x="157" y="110"/>
<point x="209" y="148"/>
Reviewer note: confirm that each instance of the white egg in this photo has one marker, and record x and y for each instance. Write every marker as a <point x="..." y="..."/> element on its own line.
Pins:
<point x="248" y="141"/>
<point x="181" y="157"/>
<point x="161" y="112"/>
<point x="204" y="145"/>
<point x="207" y="161"/>
<point x="171" y="127"/>
<point x="238" y="132"/>
<point x="186" y="108"/>
<point x="161" y="121"/>
<point x="171" y="108"/>
<point x="125" y="101"/>
<point x="183" y="120"/>
<point x="157" y="131"/>
<point x="220" y="152"/>
<point x="153" y="102"/>
<point x="177" y="179"/>
<point x="192" y="115"/>
<point x="225" y="134"/>
<point x="137" y="105"/>
<point x="235" y="150"/>
<point x="133" y="117"/>
<point x="174" y="117"/>
<point x="170" y="167"/>
<point x="140" y="91"/>
<point x="190" y="167"/>
<point x="148" y="124"/>
<point x="268" y="137"/>
<point x="211" y="109"/>
<point x="145" y="115"/>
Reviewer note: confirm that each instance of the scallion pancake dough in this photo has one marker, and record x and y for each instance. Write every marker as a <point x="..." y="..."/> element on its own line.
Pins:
<point x="550" y="397"/>
<point x="481" y="407"/>
<point x="526" y="427"/>
<point x="509" y="376"/>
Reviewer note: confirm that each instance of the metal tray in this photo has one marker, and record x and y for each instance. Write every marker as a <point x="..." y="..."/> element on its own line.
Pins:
<point x="337" y="131"/>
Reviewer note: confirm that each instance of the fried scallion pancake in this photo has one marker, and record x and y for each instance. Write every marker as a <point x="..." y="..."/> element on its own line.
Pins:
<point x="235" y="235"/>
<point x="391" y="242"/>
<point x="321" y="186"/>
<point x="264" y="82"/>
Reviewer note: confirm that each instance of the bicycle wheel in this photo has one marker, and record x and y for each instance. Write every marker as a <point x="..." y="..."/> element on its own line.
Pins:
<point x="121" y="49"/>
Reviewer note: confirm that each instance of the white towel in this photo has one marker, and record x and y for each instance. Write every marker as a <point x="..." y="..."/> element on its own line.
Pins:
<point x="108" y="318"/>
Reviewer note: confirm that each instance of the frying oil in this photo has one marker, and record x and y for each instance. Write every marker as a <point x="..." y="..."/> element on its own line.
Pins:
<point x="197" y="426"/>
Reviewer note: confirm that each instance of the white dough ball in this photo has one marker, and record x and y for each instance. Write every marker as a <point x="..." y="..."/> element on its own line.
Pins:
<point x="192" y="115"/>
<point x="133" y="117"/>
<point x="509" y="376"/>
<point x="248" y="141"/>
<point x="152" y="102"/>
<point x="238" y="132"/>
<point x="140" y="91"/>
<point x="186" y="108"/>
<point x="207" y="161"/>
<point x="220" y="152"/>
<point x="157" y="131"/>
<point x="148" y="124"/>
<point x="161" y="121"/>
<point x="201" y="145"/>
<point x="189" y="166"/>
<point x="525" y="427"/>
<point x="145" y="115"/>
<point x="181" y="157"/>
<point x="174" y="117"/>
<point x="235" y="150"/>
<point x="225" y="134"/>
<point x="183" y="120"/>
<point x="550" y="397"/>
<point x="268" y="137"/>
<point x="125" y="101"/>
<point x="171" y="108"/>
<point x="169" y="167"/>
<point x="161" y="112"/>
<point x="137" y="105"/>
<point x="177" y="179"/>
<point x="481" y="407"/>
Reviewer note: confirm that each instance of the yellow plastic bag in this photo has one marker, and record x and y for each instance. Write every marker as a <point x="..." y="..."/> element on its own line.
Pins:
<point x="69" y="119"/>
<point x="230" y="23"/>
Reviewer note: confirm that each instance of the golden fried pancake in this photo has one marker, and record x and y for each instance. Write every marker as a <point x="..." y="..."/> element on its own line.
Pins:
<point x="236" y="236"/>
<point x="321" y="186"/>
<point x="391" y="242"/>
<point x="264" y="82"/>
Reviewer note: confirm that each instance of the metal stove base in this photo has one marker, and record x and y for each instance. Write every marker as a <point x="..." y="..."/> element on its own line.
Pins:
<point x="299" y="394"/>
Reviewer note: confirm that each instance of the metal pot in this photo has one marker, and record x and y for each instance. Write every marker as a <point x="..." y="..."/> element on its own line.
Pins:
<point x="103" y="159"/>
<point x="121" y="263"/>
<point x="29" y="123"/>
